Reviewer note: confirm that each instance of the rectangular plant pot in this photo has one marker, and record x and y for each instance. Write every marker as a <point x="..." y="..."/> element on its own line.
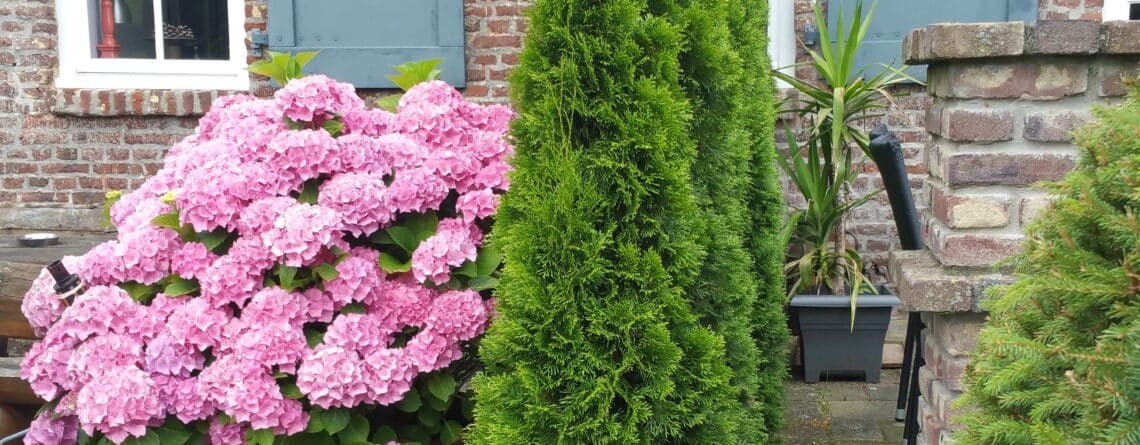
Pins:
<point x="827" y="340"/>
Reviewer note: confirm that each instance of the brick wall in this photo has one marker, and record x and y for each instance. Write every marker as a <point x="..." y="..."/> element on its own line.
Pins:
<point x="1070" y="9"/>
<point x="61" y="150"/>
<point x="1005" y="98"/>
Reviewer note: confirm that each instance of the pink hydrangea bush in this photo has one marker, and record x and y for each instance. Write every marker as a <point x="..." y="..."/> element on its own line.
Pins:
<point x="302" y="265"/>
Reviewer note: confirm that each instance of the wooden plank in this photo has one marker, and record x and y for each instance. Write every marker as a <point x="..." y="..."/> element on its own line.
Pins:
<point x="19" y="267"/>
<point x="14" y="391"/>
<point x="15" y="280"/>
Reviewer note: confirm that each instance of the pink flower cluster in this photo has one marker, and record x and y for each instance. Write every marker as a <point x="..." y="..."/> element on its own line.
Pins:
<point x="116" y="366"/>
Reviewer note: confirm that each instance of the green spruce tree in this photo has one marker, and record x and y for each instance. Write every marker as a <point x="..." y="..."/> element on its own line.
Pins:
<point x="1059" y="359"/>
<point x="595" y="341"/>
<point x="748" y="27"/>
<point x="724" y="295"/>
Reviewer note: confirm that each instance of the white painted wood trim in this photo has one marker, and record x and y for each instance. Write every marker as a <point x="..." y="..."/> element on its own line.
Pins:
<point x="80" y="67"/>
<point x="1116" y="9"/>
<point x="782" y="37"/>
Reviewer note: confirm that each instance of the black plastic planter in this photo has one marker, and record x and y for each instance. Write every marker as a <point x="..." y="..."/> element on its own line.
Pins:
<point x="827" y="340"/>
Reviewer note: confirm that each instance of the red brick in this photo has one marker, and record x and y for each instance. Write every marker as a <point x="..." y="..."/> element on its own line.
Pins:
<point x="485" y="59"/>
<point x="65" y="168"/>
<point x="87" y="198"/>
<point x="119" y="154"/>
<point x="499" y="26"/>
<point x="13" y="183"/>
<point x="112" y="169"/>
<point x="487" y="42"/>
<point x="500" y="75"/>
<point x="96" y="137"/>
<point x="117" y="184"/>
<point x="151" y="138"/>
<point x="1063" y="37"/>
<point x="991" y="80"/>
<point x="477" y="75"/>
<point x="64" y="183"/>
<point x="36" y="197"/>
<point x="36" y="138"/>
<point x="969" y="211"/>
<point x="1016" y="169"/>
<point x="35" y="12"/>
<point x="1053" y="126"/>
<point x="1120" y="37"/>
<point x="477" y="90"/>
<point x="91" y="183"/>
<point x="66" y="153"/>
<point x="45" y="28"/>
<point x="975" y="249"/>
<point x="982" y="126"/>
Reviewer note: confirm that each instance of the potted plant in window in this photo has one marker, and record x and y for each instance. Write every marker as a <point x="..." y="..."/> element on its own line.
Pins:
<point x="842" y="318"/>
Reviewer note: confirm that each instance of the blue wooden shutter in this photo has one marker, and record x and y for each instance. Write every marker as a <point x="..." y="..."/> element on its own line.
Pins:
<point x="361" y="40"/>
<point x="893" y="19"/>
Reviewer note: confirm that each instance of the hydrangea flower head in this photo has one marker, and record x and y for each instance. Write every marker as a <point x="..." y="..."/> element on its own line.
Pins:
<point x="270" y="273"/>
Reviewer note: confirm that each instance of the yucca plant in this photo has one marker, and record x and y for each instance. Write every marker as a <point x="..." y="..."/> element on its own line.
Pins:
<point x="836" y="108"/>
<point x="825" y="265"/>
<point x="846" y="98"/>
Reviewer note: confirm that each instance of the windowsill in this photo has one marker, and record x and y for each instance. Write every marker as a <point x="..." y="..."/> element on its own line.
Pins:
<point x="135" y="102"/>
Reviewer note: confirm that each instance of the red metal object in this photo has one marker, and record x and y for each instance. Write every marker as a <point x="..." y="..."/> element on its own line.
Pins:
<point x="108" y="47"/>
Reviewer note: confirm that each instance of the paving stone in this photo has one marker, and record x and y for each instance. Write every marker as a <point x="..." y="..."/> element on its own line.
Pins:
<point x="862" y="409"/>
<point x="848" y="392"/>
<point x="804" y="410"/>
<point x="851" y="430"/>
<point x="884" y="391"/>
<point x="798" y="391"/>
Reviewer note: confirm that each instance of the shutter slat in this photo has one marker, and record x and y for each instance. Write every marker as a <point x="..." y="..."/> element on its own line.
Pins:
<point x="361" y="40"/>
<point x="281" y="24"/>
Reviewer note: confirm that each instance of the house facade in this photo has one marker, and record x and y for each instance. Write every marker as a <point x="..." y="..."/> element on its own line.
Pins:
<point x="75" y="121"/>
<point x="83" y="111"/>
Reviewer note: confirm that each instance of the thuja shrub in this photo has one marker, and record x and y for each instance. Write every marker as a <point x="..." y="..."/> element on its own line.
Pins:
<point x="724" y="293"/>
<point x="303" y="269"/>
<point x="594" y="340"/>
<point x="1059" y="359"/>
<point x="748" y="24"/>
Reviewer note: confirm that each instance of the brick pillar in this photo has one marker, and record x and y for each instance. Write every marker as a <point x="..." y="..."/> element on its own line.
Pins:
<point x="1005" y="98"/>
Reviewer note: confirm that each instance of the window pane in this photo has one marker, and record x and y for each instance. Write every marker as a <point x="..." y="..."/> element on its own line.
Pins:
<point x="196" y="29"/>
<point x="134" y="28"/>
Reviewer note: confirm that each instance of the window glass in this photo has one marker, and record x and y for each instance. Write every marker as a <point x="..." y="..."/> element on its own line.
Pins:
<point x="191" y="29"/>
<point x="195" y="29"/>
<point x="134" y="28"/>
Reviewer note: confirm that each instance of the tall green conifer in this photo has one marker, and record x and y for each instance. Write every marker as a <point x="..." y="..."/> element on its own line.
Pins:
<point x="1059" y="359"/>
<point x="724" y="295"/>
<point x="595" y="342"/>
<point x="748" y="27"/>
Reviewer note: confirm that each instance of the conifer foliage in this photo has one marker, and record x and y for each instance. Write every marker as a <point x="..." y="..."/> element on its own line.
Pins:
<point x="1059" y="361"/>
<point x="715" y="80"/>
<point x="595" y="341"/>
<point x="748" y="25"/>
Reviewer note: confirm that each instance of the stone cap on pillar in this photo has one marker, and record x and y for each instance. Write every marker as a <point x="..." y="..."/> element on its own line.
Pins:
<point x="959" y="41"/>
<point x="923" y="284"/>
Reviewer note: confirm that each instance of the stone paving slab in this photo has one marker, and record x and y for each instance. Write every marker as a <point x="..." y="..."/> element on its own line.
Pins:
<point x="843" y="412"/>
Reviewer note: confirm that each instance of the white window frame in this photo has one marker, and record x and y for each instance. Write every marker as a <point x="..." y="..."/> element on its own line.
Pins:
<point x="782" y="37"/>
<point x="80" y="68"/>
<point x="1116" y="9"/>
